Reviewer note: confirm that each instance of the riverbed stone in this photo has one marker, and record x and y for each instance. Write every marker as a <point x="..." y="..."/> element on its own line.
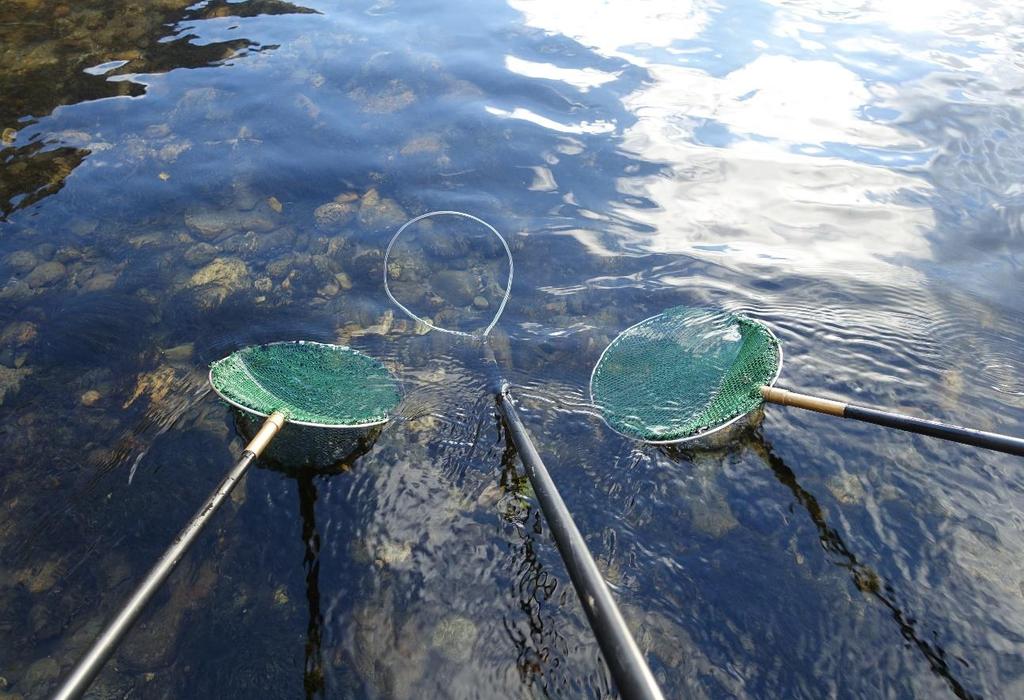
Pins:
<point x="156" y="384"/>
<point x="22" y="260"/>
<point x="100" y="282"/>
<point x="10" y="380"/>
<point x="200" y="253"/>
<point x="211" y="224"/>
<point x="40" y="675"/>
<point x="454" y="637"/>
<point x="426" y="143"/>
<point x="846" y="488"/>
<point x="230" y="273"/>
<point x="376" y="212"/>
<point x="45" y="274"/>
<point x="334" y="214"/>
<point x="456" y="287"/>
<point x="19" y="333"/>
<point x="280" y="266"/>
<point x="389" y="97"/>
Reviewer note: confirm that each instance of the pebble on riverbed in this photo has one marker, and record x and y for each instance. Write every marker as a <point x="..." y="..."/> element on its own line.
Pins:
<point x="155" y="384"/>
<point x="45" y="274"/>
<point x="390" y="97"/>
<point x="22" y="261"/>
<point x="18" y="334"/>
<point x="212" y="224"/>
<point x="230" y="273"/>
<point x="10" y="380"/>
<point x="846" y="488"/>
<point x="454" y="637"/>
<point x="334" y="214"/>
<point x="90" y="398"/>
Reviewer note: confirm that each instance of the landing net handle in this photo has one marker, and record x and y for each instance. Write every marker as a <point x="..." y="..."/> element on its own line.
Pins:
<point x="89" y="666"/>
<point x="625" y="662"/>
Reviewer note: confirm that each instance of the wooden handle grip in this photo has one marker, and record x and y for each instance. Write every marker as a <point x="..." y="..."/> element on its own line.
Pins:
<point x="785" y="397"/>
<point x="267" y="431"/>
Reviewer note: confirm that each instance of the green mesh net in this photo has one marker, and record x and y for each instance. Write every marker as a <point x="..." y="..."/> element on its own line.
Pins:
<point x="313" y="384"/>
<point x="684" y="372"/>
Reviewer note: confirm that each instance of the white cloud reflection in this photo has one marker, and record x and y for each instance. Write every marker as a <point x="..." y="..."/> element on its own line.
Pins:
<point x="608" y="26"/>
<point x="595" y="127"/>
<point x="775" y="159"/>
<point x="581" y="78"/>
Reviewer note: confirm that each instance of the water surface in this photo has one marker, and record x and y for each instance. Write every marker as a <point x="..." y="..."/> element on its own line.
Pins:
<point x="179" y="181"/>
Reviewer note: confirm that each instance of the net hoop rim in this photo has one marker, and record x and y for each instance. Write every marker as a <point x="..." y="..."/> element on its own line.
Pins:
<point x="508" y="285"/>
<point x="697" y="436"/>
<point x="288" y="421"/>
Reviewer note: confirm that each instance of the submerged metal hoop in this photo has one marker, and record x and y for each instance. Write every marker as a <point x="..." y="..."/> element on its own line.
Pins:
<point x="691" y="438"/>
<point x="508" y="285"/>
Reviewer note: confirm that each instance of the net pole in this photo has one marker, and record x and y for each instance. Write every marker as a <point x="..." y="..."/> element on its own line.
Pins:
<point x="90" y="665"/>
<point x="625" y="662"/>
<point x="920" y="426"/>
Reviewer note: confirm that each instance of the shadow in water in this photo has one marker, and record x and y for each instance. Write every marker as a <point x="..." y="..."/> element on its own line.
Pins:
<point x="326" y="453"/>
<point x="864" y="577"/>
<point x="541" y="650"/>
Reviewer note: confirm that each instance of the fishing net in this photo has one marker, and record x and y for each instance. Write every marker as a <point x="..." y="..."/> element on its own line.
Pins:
<point x="297" y="449"/>
<point x="449" y="271"/>
<point x="312" y="384"/>
<point x="684" y="373"/>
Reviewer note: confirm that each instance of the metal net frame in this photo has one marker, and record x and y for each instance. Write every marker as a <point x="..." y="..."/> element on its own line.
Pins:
<point x="427" y="322"/>
<point x="313" y="384"/>
<point x="684" y="374"/>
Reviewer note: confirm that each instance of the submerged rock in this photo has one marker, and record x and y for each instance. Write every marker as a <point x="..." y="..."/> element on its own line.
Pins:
<point x="334" y="214"/>
<point x="211" y="224"/>
<point x="390" y="657"/>
<point x="19" y="333"/>
<point x="376" y="212"/>
<point x="428" y="143"/>
<point x="712" y="515"/>
<point x="40" y="675"/>
<point x="393" y="96"/>
<point x="45" y="274"/>
<point x="156" y="384"/>
<point x="39" y="578"/>
<point x="100" y="282"/>
<point x="230" y="273"/>
<point x="456" y="287"/>
<point x="846" y="488"/>
<point x="454" y="637"/>
<point x="10" y="380"/>
<point x="153" y="643"/>
<point x="22" y="260"/>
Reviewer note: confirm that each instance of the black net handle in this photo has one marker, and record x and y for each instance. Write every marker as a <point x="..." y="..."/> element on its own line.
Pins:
<point x="921" y="426"/>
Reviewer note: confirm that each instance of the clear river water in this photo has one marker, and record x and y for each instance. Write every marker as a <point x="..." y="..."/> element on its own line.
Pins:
<point x="179" y="180"/>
